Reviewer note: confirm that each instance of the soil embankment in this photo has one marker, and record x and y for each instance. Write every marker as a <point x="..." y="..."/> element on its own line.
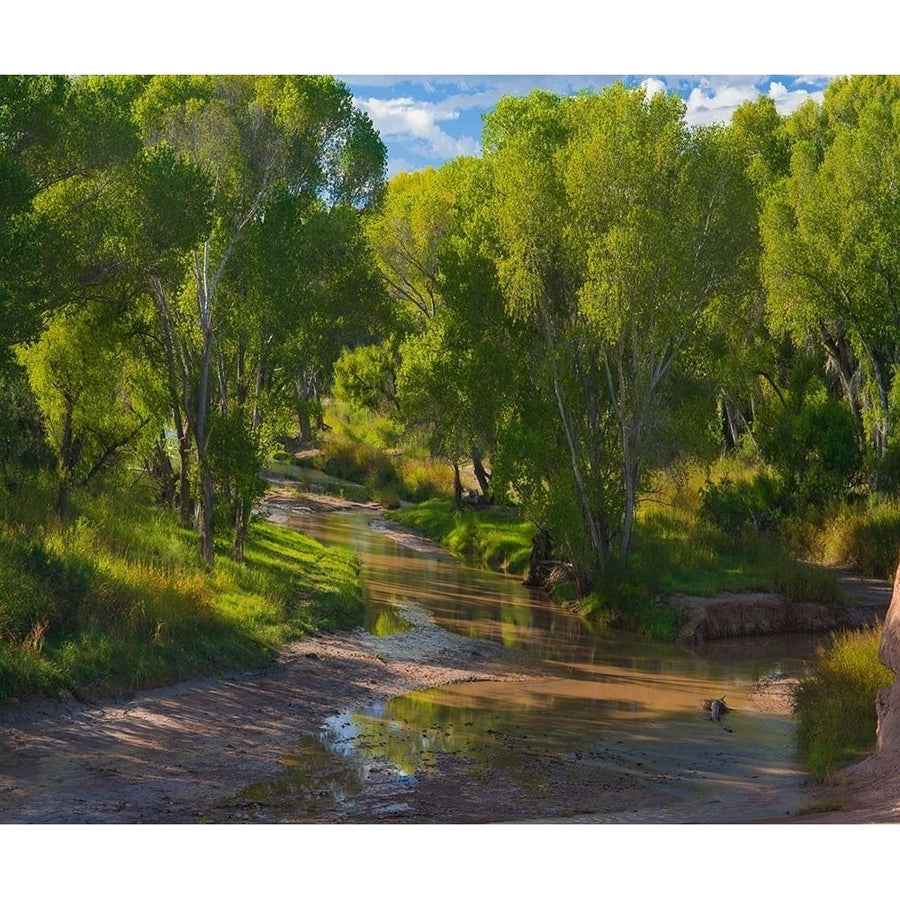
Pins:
<point x="753" y="613"/>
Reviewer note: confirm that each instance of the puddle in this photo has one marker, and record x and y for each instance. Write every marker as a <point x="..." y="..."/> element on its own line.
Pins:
<point x="314" y="781"/>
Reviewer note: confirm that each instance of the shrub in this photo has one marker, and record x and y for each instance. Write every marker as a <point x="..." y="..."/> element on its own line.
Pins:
<point x="835" y="702"/>
<point x="865" y="539"/>
<point x="736" y="506"/>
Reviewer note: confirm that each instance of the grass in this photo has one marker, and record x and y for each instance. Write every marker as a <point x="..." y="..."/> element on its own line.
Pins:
<point x="117" y="600"/>
<point x="864" y="538"/>
<point x="835" y="702"/>
<point x="365" y="472"/>
<point x="494" y="537"/>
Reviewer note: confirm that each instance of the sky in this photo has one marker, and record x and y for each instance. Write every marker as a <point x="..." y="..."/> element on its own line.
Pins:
<point x="379" y="49"/>
<point x="426" y="120"/>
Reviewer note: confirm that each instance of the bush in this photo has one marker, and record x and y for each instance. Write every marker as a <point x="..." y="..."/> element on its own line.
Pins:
<point x="736" y="506"/>
<point x="835" y="703"/>
<point x="865" y="539"/>
<point x="810" y="442"/>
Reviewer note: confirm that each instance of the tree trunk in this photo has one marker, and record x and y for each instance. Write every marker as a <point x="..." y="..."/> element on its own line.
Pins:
<point x="164" y="473"/>
<point x="241" y="526"/>
<point x="69" y="452"/>
<point x="541" y="556"/>
<point x="205" y="509"/>
<point x="457" y="487"/>
<point x="185" y="503"/>
<point x="481" y="475"/>
<point x="304" y="421"/>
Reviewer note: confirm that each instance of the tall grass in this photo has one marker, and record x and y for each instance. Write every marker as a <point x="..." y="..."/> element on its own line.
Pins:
<point x="117" y="600"/>
<point x="866" y="539"/>
<point x="835" y="702"/>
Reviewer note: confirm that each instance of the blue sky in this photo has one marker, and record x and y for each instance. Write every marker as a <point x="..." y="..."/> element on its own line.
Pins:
<point x="426" y="120"/>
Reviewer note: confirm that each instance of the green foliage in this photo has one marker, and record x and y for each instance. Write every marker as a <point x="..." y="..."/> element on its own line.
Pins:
<point x="835" y="702"/>
<point x="830" y="233"/>
<point x="23" y="446"/>
<point x="235" y="456"/>
<point x="865" y="539"/>
<point x="364" y="377"/>
<point x="811" y="443"/>
<point x="735" y="507"/>
<point x="117" y="600"/>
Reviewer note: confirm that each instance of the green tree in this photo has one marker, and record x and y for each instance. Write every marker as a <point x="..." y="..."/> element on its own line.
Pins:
<point x="618" y="228"/>
<point x="830" y="233"/>
<point x="82" y="384"/>
<point x="260" y="139"/>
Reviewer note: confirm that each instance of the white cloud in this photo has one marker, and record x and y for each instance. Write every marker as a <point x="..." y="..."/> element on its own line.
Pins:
<point x="653" y="86"/>
<point x="786" y="101"/>
<point x="708" y="104"/>
<point x="715" y="100"/>
<point x="412" y="120"/>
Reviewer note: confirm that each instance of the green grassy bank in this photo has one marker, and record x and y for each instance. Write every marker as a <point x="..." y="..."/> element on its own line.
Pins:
<point x="117" y="600"/>
<point x="493" y="537"/>
<point x="675" y="552"/>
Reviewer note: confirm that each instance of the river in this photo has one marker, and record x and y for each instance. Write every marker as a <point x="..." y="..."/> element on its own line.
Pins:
<point x="628" y="711"/>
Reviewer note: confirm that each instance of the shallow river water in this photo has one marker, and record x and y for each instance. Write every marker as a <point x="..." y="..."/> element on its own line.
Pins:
<point x="633" y="706"/>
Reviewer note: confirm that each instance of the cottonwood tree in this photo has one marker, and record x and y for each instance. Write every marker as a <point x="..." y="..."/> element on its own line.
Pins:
<point x="617" y="227"/>
<point x="831" y="265"/>
<point x="84" y="213"/>
<point x="446" y="372"/>
<point x="259" y="138"/>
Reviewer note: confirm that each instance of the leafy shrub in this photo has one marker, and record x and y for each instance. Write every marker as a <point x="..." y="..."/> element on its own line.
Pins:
<point x="835" y="702"/>
<point x="736" y="506"/>
<point x="810" y="442"/>
<point x="865" y="539"/>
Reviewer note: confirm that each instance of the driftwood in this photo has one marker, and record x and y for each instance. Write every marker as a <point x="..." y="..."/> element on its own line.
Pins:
<point x="716" y="707"/>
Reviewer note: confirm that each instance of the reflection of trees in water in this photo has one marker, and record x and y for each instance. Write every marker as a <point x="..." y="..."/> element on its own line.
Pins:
<point x="413" y="730"/>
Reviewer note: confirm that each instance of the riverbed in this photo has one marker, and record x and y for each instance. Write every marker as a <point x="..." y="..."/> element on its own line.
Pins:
<point x="467" y="698"/>
<point x="606" y="727"/>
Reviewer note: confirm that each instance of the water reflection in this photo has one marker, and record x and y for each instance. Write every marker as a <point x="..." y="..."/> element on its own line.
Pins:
<point x="614" y="701"/>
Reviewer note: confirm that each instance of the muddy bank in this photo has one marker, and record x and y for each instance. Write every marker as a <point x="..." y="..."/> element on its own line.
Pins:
<point x="751" y="614"/>
<point x="248" y="748"/>
<point x="180" y="753"/>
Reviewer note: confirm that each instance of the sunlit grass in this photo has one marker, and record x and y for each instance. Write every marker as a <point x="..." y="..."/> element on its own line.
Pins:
<point x="835" y="702"/>
<point x="864" y="538"/>
<point x="494" y="537"/>
<point x="120" y="601"/>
